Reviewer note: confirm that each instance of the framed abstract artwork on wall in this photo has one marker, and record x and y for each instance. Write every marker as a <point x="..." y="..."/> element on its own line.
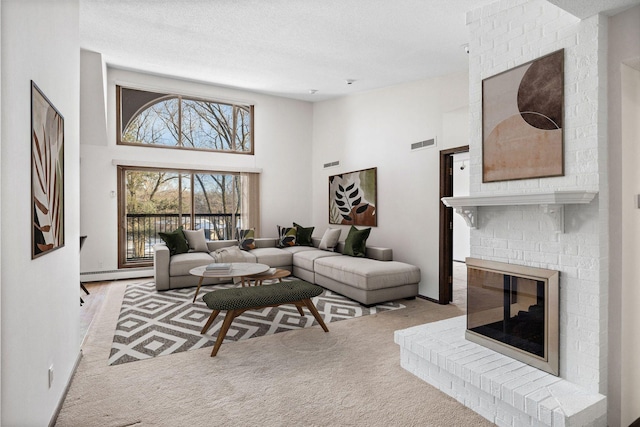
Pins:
<point x="522" y="121"/>
<point x="47" y="175"/>
<point x="352" y="198"/>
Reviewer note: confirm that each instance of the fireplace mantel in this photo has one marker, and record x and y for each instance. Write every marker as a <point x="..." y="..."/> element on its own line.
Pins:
<point x="551" y="204"/>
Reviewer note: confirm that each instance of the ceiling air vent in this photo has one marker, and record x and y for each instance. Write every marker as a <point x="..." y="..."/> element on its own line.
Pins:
<point x="423" y="144"/>
<point x="332" y="164"/>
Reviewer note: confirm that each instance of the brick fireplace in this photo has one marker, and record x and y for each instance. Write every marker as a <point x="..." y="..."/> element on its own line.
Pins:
<point x="538" y="237"/>
<point x="538" y="231"/>
<point x="516" y="391"/>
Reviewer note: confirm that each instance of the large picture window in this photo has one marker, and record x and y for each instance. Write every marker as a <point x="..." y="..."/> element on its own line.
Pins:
<point x="176" y="121"/>
<point x="161" y="200"/>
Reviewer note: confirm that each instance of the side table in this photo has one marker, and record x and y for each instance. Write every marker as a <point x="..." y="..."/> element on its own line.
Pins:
<point x="279" y="273"/>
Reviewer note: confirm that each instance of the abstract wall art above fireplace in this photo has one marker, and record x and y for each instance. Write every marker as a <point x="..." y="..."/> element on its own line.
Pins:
<point x="522" y="120"/>
<point x="352" y="198"/>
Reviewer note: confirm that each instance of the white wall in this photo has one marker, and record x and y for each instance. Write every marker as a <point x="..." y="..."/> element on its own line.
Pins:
<point x="376" y="129"/>
<point x="40" y="298"/>
<point x="502" y="36"/>
<point x="630" y="315"/>
<point x="0" y="221"/>
<point x="282" y="152"/>
<point x="624" y="383"/>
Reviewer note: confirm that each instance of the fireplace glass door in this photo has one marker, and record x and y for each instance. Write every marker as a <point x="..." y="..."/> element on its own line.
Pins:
<point x="512" y="309"/>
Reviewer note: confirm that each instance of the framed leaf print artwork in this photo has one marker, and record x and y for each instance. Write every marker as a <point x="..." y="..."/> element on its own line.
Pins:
<point x="47" y="175"/>
<point x="352" y="198"/>
<point x="522" y="120"/>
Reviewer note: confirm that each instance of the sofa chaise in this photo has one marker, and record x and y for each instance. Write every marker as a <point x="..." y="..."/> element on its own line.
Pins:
<point x="369" y="280"/>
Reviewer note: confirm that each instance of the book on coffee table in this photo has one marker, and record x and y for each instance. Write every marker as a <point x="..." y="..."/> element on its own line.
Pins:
<point x="218" y="268"/>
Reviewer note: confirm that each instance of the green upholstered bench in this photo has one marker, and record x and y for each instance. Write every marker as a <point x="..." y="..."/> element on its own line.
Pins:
<point x="238" y="300"/>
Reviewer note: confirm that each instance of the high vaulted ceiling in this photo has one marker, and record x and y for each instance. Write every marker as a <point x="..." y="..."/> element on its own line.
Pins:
<point x="287" y="47"/>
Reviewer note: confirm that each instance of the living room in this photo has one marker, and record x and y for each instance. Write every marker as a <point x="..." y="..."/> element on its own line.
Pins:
<point x="365" y="129"/>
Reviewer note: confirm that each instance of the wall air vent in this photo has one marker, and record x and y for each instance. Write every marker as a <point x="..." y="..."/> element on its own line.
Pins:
<point x="423" y="144"/>
<point x="332" y="164"/>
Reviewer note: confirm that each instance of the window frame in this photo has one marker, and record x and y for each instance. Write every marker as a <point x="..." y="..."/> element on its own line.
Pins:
<point x="123" y="263"/>
<point x="180" y="97"/>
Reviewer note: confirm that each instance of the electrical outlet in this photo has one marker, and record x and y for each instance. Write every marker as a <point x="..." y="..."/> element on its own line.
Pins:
<point x="50" y="375"/>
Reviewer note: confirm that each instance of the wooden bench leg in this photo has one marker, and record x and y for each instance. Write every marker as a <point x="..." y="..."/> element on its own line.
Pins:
<point x="314" y="311"/>
<point x="231" y="314"/>
<point x="210" y="321"/>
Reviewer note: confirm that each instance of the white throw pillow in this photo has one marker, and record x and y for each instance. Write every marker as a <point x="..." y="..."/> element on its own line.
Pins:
<point x="330" y="239"/>
<point x="196" y="239"/>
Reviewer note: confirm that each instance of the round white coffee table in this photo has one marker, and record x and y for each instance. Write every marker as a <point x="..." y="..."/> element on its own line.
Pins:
<point x="238" y="269"/>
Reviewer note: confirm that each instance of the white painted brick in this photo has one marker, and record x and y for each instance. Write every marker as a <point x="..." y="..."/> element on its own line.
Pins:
<point x="469" y="370"/>
<point x="536" y="423"/>
<point x="461" y="357"/>
<point x="545" y="410"/>
<point x="535" y="28"/>
<point x="482" y="252"/>
<point x="559" y="418"/>
<point x="473" y="16"/>
<point x="506" y="414"/>
<point x="540" y="257"/>
<point x="443" y="355"/>
<point x="495" y="243"/>
<point x="499" y="410"/>
<point x="551" y="247"/>
<point x="532" y="401"/>
<point x="509" y="386"/>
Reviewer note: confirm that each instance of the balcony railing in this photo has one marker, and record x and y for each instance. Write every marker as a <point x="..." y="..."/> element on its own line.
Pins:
<point x="142" y="230"/>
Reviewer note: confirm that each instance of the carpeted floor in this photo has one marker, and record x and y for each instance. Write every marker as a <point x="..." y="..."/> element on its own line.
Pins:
<point x="350" y="376"/>
<point x="153" y="323"/>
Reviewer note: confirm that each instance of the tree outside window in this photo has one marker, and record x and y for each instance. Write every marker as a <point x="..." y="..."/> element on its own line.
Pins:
<point x="175" y="121"/>
<point x="154" y="200"/>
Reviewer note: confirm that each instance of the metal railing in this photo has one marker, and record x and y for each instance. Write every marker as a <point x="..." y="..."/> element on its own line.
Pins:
<point x="142" y="230"/>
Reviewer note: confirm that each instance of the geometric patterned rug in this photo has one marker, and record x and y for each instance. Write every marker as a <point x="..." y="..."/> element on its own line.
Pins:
<point x="153" y="323"/>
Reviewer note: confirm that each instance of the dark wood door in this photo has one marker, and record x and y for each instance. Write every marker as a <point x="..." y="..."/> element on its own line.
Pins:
<point x="446" y="224"/>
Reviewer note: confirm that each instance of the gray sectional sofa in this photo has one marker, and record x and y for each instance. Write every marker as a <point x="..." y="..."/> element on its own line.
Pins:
<point x="369" y="280"/>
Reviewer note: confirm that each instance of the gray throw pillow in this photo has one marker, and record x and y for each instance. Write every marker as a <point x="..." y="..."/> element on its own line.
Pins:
<point x="196" y="239"/>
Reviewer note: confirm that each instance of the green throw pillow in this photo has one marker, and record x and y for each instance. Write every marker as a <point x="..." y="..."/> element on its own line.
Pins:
<point x="356" y="242"/>
<point x="247" y="239"/>
<point x="176" y="242"/>
<point x="286" y="236"/>
<point x="303" y="235"/>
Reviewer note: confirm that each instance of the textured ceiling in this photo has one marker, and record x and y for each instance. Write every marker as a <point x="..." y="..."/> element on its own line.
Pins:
<point x="283" y="47"/>
<point x="586" y="8"/>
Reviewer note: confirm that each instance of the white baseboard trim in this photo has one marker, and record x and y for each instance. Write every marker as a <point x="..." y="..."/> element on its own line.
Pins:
<point x="125" y="273"/>
<point x="54" y="418"/>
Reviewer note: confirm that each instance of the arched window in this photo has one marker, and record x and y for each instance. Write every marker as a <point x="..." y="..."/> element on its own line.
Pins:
<point x="175" y="121"/>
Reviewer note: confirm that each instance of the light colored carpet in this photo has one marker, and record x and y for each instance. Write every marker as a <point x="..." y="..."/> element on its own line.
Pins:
<point x="350" y="376"/>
